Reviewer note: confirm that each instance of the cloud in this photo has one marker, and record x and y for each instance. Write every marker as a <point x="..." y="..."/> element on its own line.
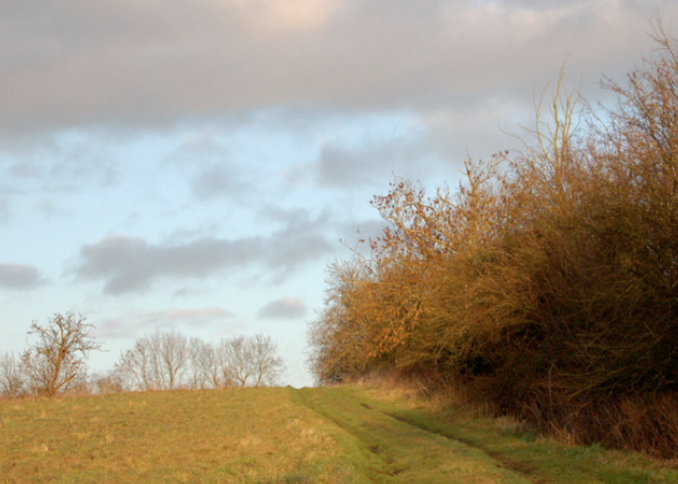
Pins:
<point x="299" y="237"/>
<point x="212" y="170"/>
<point x="217" y="181"/>
<point x="284" y="308"/>
<point x="155" y="64"/>
<point x="191" y="315"/>
<point x="132" y="264"/>
<point x="295" y="14"/>
<point x="138" y="322"/>
<point x="340" y="167"/>
<point x="5" y="210"/>
<point x="19" y="277"/>
<point x="68" y="163"/>
<point x="361" y="152"/>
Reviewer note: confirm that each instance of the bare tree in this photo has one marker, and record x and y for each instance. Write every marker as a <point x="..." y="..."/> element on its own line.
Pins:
<point x="137" y="367"/>
<point x="160" y="360"/>
<point x="156" y="362"/>
<point x="107" y="383"/>
<point x="267" y="364"/>
<point x="235" y="361"/>
<point x="204" y="365"/>
<point x="11" y="379"/>
<point x="56" y="362"/>
<point x="250" y="361"/>
<point x="173" y="353"/>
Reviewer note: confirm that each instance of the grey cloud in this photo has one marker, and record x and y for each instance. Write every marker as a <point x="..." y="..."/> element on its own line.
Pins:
<point x="137" y="322"/>
<point x="300" y="237"/>
<point x="216" y="182"/>
<point x="373" y="159"/>
<point x="128" y="264"/>
<point x="429" y="145"/>
<point x="284" y="308"/>
<point x="132" y="264"/>
<point x="341" y="167"/>
<point x="294" y="219"/>
<point x="213" y="173"/>
<point x="48" y="208"/>
<point x="19" y="277"/>
<point x="5" y="210"/>
<point x="54" y="164"/>
<point x="153" y="63"/>
<point x="436" y="150"/>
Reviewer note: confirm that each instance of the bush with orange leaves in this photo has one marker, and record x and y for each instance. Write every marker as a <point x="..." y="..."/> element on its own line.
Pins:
<point x="547" y="283"/>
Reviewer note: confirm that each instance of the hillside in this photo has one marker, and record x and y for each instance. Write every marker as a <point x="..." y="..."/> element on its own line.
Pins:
<point x="282" y="435"/>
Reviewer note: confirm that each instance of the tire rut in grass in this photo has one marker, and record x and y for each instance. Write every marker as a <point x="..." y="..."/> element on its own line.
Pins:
<point x="387" y="466"/>
<point x="409" y="455"/>
<point x="521" y="468"/>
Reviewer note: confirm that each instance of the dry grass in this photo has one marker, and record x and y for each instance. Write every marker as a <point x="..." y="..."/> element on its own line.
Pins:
<point x="378" y="430"/>
<point x="211" y="436"/>
<point x="557" y="456"/>
<point x="391" y="386"/>
<point x="640" y="423"/>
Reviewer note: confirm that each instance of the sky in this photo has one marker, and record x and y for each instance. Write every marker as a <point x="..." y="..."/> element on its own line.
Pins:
<point x="195" y="166"/>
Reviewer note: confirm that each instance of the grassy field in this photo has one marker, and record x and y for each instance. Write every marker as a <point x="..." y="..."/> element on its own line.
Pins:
<point x="282" y="435"/>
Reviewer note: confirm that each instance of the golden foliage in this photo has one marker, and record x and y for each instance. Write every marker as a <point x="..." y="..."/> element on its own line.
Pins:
<point x="546" y="283"/>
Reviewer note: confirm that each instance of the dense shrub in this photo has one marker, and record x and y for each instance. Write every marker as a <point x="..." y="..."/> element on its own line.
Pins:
<point x="546" y="284"/>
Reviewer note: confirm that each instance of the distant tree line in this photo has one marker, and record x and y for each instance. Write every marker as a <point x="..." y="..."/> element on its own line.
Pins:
<point x="165" y="361"/>
<point x="546" y="284"/>
<point x="56" y="363"/>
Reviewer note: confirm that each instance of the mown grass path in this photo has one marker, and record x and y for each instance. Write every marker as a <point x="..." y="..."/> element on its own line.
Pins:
<point x="402" y="451"/>
<point x="283" y="435"/>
